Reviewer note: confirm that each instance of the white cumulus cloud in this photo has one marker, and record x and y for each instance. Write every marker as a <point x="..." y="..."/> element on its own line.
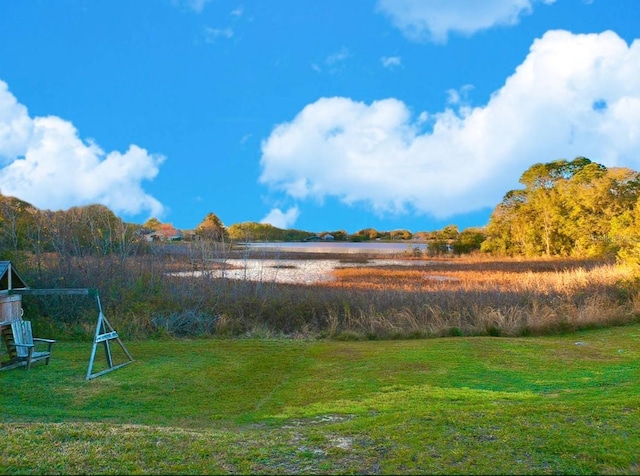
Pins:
<point x="44" y="162"/>
<point x="572" y="95"/>
<point x="280" y="219"/>
<point x="435" y="19"/>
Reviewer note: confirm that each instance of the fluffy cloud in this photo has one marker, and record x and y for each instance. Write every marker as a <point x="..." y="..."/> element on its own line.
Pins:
<point x="435" y="19"/>
<point x="280" y="219"/>
<point x="573" y="95"/>
<point x="43" y="161"/>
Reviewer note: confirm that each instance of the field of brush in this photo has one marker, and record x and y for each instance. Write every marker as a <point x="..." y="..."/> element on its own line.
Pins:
<point x="191" y="292"/>
<point x="382" y="297"/>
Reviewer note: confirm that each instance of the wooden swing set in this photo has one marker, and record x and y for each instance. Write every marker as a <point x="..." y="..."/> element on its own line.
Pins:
<point x="23" y="349"/>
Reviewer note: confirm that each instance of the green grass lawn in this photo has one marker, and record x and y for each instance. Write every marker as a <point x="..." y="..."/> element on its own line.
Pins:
<point x="561" y="404"/>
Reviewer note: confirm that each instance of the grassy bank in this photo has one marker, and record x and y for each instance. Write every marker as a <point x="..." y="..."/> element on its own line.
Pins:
<point x="555" y="404"/>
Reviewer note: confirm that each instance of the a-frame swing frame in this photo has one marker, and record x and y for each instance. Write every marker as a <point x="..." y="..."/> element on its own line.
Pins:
<point x="104" y="331"/>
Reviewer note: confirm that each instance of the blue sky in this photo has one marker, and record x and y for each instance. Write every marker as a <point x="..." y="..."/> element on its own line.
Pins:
<point x="319" y="115"/>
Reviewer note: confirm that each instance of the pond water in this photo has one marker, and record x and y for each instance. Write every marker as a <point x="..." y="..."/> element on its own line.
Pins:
<point x="299" y="271"/>
<point x="340" y="246"/>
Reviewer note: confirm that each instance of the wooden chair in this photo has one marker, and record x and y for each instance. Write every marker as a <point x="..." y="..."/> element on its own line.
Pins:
<point x="21" y="345"/>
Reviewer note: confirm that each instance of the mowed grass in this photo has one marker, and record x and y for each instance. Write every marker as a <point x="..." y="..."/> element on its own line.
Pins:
<point x="557" y="404"/>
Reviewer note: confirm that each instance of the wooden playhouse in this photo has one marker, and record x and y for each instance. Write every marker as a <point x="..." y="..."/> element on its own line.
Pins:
<point x="18" y="346"/>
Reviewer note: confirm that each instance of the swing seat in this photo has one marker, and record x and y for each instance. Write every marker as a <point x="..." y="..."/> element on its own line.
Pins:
<point x="21" y="345"/>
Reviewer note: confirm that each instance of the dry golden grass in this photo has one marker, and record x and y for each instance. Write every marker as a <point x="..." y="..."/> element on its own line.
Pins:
<point x="498" y="297"/>
<point x="477" y="276"/>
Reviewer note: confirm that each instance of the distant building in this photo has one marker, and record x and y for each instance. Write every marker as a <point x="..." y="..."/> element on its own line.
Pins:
<point x="321" y="237"/>
<point x="165" y="233"/>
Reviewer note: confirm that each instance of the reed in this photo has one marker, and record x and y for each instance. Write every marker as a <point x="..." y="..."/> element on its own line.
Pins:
<point x="429" y="298"/>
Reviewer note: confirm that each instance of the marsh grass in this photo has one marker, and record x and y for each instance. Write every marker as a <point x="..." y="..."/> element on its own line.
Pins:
<point x="473" y="405"/>
<point x="468" y="297"/>
<point x="423" y="298"/>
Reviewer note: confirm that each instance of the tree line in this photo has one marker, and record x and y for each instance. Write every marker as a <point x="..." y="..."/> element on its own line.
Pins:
<point x="576" y="208"/>
<point x="95" y="230"/>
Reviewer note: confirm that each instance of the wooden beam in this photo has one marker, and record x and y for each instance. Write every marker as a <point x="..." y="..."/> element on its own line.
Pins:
<point x="61" y="291"/>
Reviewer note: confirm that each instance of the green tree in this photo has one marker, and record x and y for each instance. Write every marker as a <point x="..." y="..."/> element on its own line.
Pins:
<point x="16" y="220"/>
<point x="469" y="240"/>
<point x="449" y="232"/>
<point x="625" y="234"/>
<point x="366" y="234"/>
<point x="212" y="228"/>
<point x="339" y="235"/>
<point x="400" y="235"/>
<point x="152" y="224"/>
<point x="542" y="218"/>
